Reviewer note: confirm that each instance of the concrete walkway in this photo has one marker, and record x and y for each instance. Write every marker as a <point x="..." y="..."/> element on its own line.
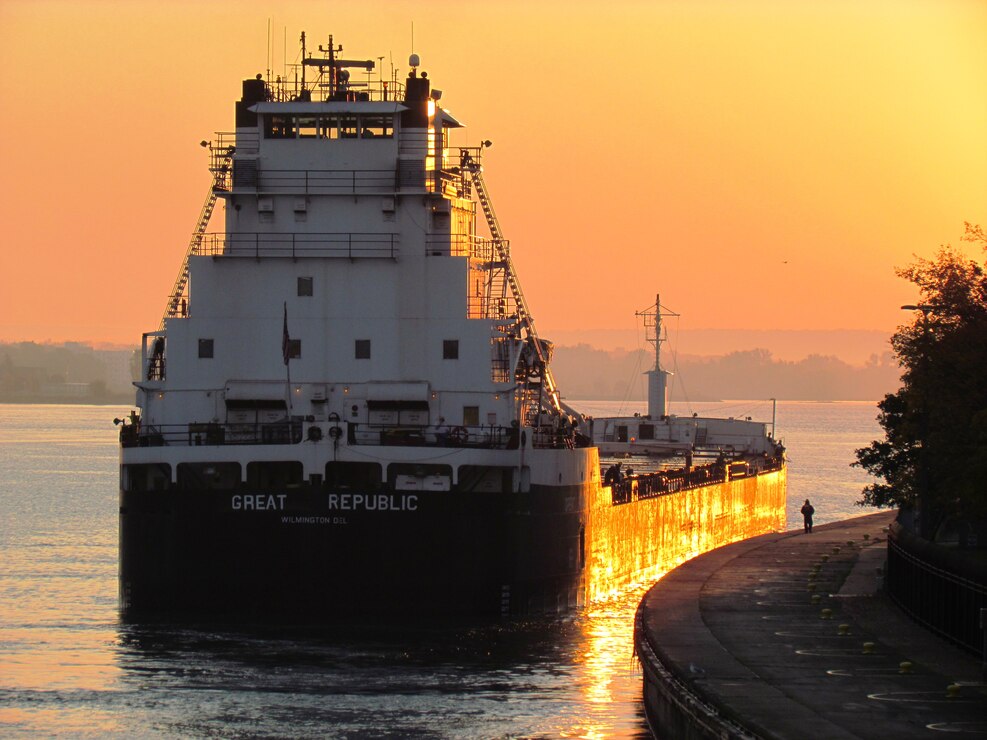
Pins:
<point x="733" y="645"/>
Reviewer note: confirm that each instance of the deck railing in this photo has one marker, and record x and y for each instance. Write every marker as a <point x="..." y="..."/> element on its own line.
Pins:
<point x="194" y="435"/>
<point x="313" y="182"/>
<point x="246" y="175"/>
<point x="672" y="481"/>
<point x="300" y="244"/>
<point x="292" y="432"/>
<point x="484" y="437"/>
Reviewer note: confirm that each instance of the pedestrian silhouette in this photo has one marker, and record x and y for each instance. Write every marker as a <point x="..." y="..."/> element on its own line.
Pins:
<point x="807" y="512"/>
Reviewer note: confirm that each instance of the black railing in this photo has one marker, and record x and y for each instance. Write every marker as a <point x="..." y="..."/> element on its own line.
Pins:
<point x="294" y="245"/>
<point x="461" y="245"/>
<point x="672" y="481"/>
<point x="938" y="587"/>
<point x="322" y="182"/>
<point x="389" y="435"/>
<point x="246" y="175"/>
<point x="281" y="432"/>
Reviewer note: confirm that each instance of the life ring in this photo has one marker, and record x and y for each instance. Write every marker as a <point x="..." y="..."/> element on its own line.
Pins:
<point x="335" y="432"/>
<point x="314" y="434"/>
<point x="458" y="436"/>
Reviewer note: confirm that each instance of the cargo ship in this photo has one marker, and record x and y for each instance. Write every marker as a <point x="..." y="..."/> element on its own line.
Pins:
<point x="346" y="410"/>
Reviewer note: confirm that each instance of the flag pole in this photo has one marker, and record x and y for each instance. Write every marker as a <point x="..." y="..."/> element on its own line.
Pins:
<point x="286" y="355"/>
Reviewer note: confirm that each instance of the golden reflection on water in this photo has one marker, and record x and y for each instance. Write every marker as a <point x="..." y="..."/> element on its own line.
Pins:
<point x="648" y="540"/>
<point x="608" y="673"/>
<point x="54" y="659"/>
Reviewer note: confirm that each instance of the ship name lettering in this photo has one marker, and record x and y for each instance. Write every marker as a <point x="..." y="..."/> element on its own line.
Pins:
<point x="258" y="501"/>
<point x="373" y="502"/>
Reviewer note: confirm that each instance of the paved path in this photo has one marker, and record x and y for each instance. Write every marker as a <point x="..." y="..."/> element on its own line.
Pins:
<point x="737" y="633"/>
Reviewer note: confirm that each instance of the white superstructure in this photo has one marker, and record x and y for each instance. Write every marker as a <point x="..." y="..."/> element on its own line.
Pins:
<point x="349" y="285"/>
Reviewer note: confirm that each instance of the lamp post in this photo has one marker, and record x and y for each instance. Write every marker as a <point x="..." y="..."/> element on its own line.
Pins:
<point x="922" y="473"/>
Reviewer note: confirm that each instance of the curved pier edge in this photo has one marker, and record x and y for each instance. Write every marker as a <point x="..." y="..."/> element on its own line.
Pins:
<point x="672" y="706"/>
<point x="674" y="702"/>
<point x="790" y="635"/>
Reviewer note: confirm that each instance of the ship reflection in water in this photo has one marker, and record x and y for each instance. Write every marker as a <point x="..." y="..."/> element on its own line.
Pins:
<point x="550" y="677"/>
<point x="93" y="676"/>
<point x="71" y="668"/>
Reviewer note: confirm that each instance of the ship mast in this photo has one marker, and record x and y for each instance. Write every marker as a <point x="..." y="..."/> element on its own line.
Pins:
<point x="658" y="377"/>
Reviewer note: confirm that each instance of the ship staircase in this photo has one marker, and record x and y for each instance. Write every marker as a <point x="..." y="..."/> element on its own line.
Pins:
<point x="532" y="371"/>
<point x="221" y="159"/>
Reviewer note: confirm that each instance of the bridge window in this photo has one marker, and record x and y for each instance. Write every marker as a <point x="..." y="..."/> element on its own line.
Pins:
<point x="304" y="286"/>
<point x="205" y="349"/>
<point x="362" y="349"/>
<point x="308" y="127"/>
<point x="374" y="127"/>
<point x="450" y="349"/>
<point x="278" y="127"/>
<point x="341" y="126"/>
<point x="349" y="127"/>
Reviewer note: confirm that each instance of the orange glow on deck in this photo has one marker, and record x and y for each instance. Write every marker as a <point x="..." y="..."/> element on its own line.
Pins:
<point x="639" y="542"/>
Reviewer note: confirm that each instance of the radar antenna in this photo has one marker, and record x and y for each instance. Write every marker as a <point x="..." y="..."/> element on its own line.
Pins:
<point x="655" y="334"/>
<point x="338" y="74"/>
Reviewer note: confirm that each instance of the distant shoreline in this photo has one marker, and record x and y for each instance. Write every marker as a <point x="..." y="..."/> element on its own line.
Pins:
<point x="121" y="400"/>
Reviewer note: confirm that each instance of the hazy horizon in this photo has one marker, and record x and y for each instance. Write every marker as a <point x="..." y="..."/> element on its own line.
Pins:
<point x="855" y="347"/>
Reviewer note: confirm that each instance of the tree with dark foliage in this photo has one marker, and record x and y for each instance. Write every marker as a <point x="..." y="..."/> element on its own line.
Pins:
<point x="933" y="459"/>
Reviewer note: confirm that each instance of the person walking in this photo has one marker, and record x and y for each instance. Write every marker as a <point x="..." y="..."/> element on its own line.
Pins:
<point x="807" y="512"/>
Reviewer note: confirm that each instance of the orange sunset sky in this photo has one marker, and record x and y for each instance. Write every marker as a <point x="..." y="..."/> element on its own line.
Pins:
<point x="764" y="164"/>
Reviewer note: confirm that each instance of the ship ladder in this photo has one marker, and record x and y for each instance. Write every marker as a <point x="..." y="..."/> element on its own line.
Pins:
<point x="179" y="293"/>
<point x="470" y="165"/>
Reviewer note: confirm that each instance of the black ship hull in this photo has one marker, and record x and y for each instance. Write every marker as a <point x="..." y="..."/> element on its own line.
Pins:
<point x="317" y="555"/>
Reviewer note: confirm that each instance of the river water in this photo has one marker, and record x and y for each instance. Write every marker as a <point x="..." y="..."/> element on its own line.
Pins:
<point x="70" y="667"/>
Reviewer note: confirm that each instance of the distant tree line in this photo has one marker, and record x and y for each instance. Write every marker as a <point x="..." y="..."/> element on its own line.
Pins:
<point x="583" y="372"/>
<point x="64" y="373"/>
<point x="933" y="459"/>
<point x="38" y="373"/>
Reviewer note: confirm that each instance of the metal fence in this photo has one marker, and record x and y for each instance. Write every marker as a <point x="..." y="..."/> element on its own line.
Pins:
<point x="921" y="581"/>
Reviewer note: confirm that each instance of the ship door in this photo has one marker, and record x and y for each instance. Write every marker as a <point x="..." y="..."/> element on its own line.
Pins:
<point x="622" y="433"/>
